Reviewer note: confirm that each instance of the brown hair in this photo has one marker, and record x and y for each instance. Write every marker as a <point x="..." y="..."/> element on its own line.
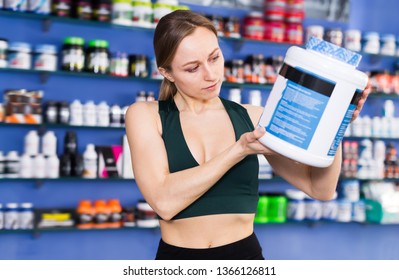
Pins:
<point x="170" y="31"/>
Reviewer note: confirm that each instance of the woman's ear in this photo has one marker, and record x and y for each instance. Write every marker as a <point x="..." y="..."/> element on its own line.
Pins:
<point x="166" y="74"/>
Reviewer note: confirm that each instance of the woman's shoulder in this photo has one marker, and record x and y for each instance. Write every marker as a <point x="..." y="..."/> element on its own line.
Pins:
<point x="142" y="109"/>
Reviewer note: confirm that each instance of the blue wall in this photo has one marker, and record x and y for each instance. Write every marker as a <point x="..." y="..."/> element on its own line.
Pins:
<point x="287" y="241"/>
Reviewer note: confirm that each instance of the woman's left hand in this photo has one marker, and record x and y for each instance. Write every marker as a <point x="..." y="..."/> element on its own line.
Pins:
<point x="361" y="101"/>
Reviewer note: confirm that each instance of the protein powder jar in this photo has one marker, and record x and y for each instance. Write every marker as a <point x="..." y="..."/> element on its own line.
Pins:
<point x="73" y="54"/>
<point x="98" y="57"/>
<point x="19" y="55"/>
<point x="45" y="58"/>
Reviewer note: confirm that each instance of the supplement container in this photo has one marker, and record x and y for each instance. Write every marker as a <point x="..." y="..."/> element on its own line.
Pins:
<point x="19" y="55"/>
<point x="254" y="26"/>
<point x="142" y="13"/>
<point x="73" y="54"/>
<point x="98" y="57"/>
<point x="162" y="8"/>
<point x="295" y="205"/>
<point x="388" y="44"/>
<point x="26" y="216"/>
<point x="11" y="220"/>
<point x="352" y="40"/>
<point x="122" y="12"/>
<point x="312" y="102"/>
<point x="3" y="52"/>
<point x="371" y="43"/>
<point x="45" y="58"/>
<point x="39" y="6"/>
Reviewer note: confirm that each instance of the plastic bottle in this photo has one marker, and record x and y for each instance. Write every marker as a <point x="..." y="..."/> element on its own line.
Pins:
<point x="295" y="205"/>
<point x="1" y="217"/>
<point x="12" y="165"/>
<point x="85" y="213"/>
<point x="255" y="97"/>
<point x="26" y="216"/>
<point x="76" y="109"/>
<point x="39" y="166"/>
<point x="102" y="214"/>
<point x="52" y="166"/>
<point x="102" y="114"/>
<point x="115" y="219"/>
<point x="49" y="144"/>
<point x="235" y="95"/>
<point x="70" y="143"/>
<point x="26" y="166"/>
<point x="312" y="102"/>
<point x="90" y="165"/>
<point x="32" y="143"/>
<point x="89" y="114"/>
<point x="115" y="115"/>
<point x="11" y="216"/>
<point x="2" y="165"/>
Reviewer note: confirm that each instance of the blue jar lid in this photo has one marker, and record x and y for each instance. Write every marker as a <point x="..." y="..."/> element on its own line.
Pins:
<point x="20" y="47"/>
<point x="50" y="49"/>
<point x="333" y="51"/>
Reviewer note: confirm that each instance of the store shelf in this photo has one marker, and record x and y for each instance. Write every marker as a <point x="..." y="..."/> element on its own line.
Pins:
<point x="62" y="126"/>
<point x="382" y="95"/>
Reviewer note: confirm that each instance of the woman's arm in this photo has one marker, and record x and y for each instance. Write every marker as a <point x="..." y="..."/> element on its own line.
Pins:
<point x="169" y="193"/>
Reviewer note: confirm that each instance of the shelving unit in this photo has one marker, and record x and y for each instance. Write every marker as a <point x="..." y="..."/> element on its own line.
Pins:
<point x="76" y="187"/>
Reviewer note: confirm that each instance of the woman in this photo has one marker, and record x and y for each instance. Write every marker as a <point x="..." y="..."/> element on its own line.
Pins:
<point x="194" y="154"/>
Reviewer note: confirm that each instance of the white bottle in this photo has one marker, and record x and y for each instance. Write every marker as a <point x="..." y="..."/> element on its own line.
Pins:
<point x="12" y="165"/>
<point x="32" y="143"/>
<point x="26" y="166"/>
<point x="89" y="113"/>
<point x="102" y="114"/>
<point x="76" y="109"/>
<point x="255" y="97"/>
<point x="39" y="166"/>
<point x="52" y="166"/>
<point x="235" y="95"/>
<point x="49" y="144"/>
<point x="115" y="116"/>
<point x="90" y="166"/>
<point x="26" y="216"/>
<point x="11" y="216"/>
<point x="1" y="217"/>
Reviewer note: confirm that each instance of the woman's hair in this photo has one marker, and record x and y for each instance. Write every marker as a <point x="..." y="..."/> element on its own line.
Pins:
<point x="170" y="31"/>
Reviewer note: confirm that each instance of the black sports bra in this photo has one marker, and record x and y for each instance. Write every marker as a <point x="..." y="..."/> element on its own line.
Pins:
<point x="237" y="190"/>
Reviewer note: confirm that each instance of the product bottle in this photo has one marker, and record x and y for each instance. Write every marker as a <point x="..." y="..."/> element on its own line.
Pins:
<point x="1" y="217"/>
<point x="12" y="165"/>
<point x="115" y="115"/>
<point x="26" y="166"/>
<point x="70" y="143"/>
<point x="102" y="214"/>
<point x="76" y="109"/>
<point x="64" y="113"/>
<point x="39" y="166"/>
<point x="90" y="166"/>
<point x="26" y="216"/>
<point x="65" y="165"/>
<point x="102" y="114"/>
<point x="255" y="97"/>
<point x="77" y="165"/>
<point x="11" y="216"/>
<point x="89" y="113"/>
<point x="49" y="144"/>
<point x="2" y="165"/>
<point x="85" y="213"/>
<point x="52" y="166"/>
<point x="32" y="143"/>
<point x="115" y="219"/>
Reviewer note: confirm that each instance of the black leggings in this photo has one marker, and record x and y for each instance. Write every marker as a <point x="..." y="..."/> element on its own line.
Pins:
<point x="244" y="249"/>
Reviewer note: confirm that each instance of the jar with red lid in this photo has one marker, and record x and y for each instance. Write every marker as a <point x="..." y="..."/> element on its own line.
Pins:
<point x="274" y="30"/>
<point x="293" y="33"/>
<point x="254" y="26"/>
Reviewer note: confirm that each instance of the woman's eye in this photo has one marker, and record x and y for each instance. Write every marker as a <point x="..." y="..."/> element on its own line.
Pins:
<point x="215" y="57"/>
<point x="191" y="70"/>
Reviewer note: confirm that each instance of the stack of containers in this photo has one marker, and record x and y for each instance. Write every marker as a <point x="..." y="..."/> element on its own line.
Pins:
<point x="284" y="21"/>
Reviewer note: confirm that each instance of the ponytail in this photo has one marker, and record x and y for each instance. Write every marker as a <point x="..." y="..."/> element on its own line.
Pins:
<point x="167" y="90"/>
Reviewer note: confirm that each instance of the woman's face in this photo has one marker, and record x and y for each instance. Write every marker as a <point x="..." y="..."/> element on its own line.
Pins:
<point x="198" y="65"/>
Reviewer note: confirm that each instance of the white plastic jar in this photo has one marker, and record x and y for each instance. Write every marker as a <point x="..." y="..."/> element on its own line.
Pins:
<point x="388" y="44"/>
<point x="162" y="8"/>
<point x="122" y="12"/>
<point x="142" y="13"/>
<point x="312" y="102"/>
<point x="352" y="40"/>
<point x="45" y="58"/>
<point x="371" y="43"/>
<point x="19" y="55"/>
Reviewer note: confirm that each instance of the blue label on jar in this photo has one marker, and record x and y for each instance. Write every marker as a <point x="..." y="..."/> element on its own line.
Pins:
<point x="301" y="106"/>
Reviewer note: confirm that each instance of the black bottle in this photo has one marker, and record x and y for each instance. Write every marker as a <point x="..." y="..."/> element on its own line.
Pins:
<point x="70" y="143"/>
<point x="65" y="165"/>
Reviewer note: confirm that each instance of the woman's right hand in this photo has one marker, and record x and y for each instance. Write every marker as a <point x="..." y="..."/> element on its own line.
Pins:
<point x="250" y="144"/>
